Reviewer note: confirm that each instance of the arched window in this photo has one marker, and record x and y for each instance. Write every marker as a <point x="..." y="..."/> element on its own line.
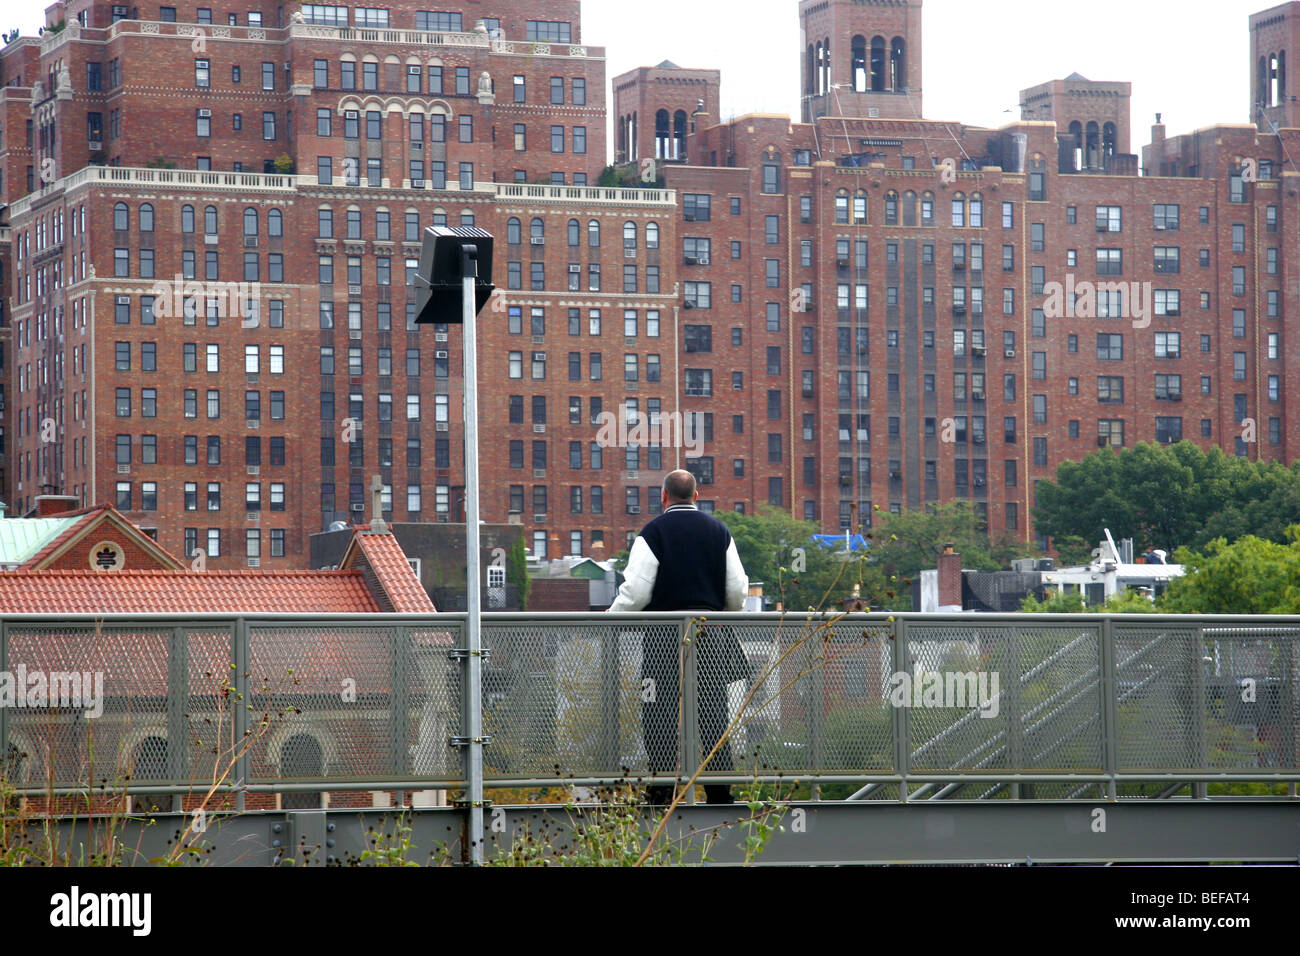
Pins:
<point x="146" y="217"/>
<point x="275" y="224"/>
<point x="977" y="211"/>
<point x="629" y="236"/>
<point x="860" y="206"/>
<point x="842" y="206"/>
<point x="575" y="232"/>
<point x="810" y="70"/>
<point x="1261" y="82"/>
<point x="210" y="220"/>
<point x="1281" y="77"/>
<point x="1092" y="146"/>
<point x="1108" y="139"/>
<point x="514" y="232"/>
<point x="1076" y="144"/>
<point x="859" y="69"/>
<point x="121" y="217"/>
<point x="679" y="135"/>
<point x="891" y="208"/>
<point x="897" y="65"/>
<point x="593" y="234"/>
<point x="250" y="221"/>
<point x="927" y="208"/>
<point x="909" y="208"/>
<point x="187" y="218"/>
<point x="149" y="763"/>
<point x="959" y="209"/>
<point x="877" y="64"/>
<point x="663" y="134"/>
<point x="537" y="229"/>
<point x="301" y="757"/>
<point x="652" y="235"/>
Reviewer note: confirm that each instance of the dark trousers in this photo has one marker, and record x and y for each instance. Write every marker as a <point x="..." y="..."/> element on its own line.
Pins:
<point x="659" y="663"/>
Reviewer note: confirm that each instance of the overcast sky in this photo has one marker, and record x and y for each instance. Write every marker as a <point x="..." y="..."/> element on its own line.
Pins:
<point x="1188" y="59"/>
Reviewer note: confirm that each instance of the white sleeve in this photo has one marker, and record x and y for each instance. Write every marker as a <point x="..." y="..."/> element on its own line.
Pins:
<point x="638" y="578"/>
<point x="737" y="580"/>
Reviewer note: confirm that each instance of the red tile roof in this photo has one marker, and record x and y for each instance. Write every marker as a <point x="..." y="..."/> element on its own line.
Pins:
<point x="393" y="572"/>
<point x="187" y="592"/>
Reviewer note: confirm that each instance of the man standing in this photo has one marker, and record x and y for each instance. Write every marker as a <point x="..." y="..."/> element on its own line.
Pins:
<point x="685" y="560"/>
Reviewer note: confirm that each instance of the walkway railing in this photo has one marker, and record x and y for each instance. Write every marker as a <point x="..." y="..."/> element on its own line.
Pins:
<point x="901" y="706"/>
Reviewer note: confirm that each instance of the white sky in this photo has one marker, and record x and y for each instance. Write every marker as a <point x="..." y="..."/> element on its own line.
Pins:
<point x="1189" y="59"/>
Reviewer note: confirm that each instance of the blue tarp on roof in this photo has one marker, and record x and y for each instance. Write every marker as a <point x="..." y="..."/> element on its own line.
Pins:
<point x="856" y="542"/>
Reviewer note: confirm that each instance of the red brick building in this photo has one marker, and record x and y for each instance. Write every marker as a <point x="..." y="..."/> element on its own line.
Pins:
<point x="864" y="309"/>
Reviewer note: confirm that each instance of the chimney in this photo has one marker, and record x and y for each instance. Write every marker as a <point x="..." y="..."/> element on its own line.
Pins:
<point x="48" y="505"/>
<point x="949" y="578"/>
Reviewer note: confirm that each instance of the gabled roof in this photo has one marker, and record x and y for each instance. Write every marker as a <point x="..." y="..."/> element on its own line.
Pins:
<point x="187" y="592"/>
<point x="390" y="572"/>
<point x="80" y="525"/>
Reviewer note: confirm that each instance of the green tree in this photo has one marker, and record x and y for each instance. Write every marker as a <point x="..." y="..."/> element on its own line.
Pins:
<point x="1249" y="576"/>
<point x="517" y="571"/>
<point x="905" y="543"/>
<point x="779" y="551"/>
<point x="1166" y="496"/>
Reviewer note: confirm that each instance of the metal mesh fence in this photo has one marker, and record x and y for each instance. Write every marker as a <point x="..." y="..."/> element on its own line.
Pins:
<point x="603" y="697"/>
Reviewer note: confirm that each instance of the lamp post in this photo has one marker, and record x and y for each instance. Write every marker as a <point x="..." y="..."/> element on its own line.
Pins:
<point x="452" y="285"/>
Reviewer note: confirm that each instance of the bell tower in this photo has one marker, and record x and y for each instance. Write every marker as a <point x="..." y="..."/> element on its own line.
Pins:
<point x="1274" y="38"/>
<point x="860" y="58"/>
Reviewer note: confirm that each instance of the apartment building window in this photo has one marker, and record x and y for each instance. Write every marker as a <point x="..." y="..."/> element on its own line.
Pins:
<point x="1168" y="345"/>
<point x="1166" y="259"/>
<point x="1110" y="347"/>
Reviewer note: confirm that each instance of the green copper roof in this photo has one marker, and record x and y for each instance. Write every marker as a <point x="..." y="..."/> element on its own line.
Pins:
<point x="21" y="538"/>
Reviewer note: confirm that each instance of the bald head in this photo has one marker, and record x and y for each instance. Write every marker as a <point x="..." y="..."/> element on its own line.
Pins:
<point x="679" y="487"/>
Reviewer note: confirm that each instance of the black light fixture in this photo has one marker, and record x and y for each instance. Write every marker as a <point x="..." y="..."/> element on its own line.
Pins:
<point x="447" y="256"/>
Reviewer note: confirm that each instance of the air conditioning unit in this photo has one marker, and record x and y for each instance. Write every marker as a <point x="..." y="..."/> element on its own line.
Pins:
<point x="254" y="562"/>
<point x="959" y="310"/>
<point x="1173" y="353"/>
<point x="1102" y="441"/>
<point x="250" y="242"/>
<point x="124" y="469"/>
<point x="842" y="261"/>
<point x="358" y="507"/>
<point x="537" y="241"/>
<point x="1103" y="227"/>
<point x="634" y="509"/>
<point x="539" y="472"/>
<point x="253" y="423"/>
<point x="354" y="333"/>
<point x="254" y="470"/>
<point x="895" y="475"/>
<point x="539" y="429"/>
<point x="703" y="260"/>
<point x="354" y="290"/>
<point x="979" y="482"/>
<point x="1175" y="396"/>
<point x="440" y="336"/>
<point x="629" y="253"/>
<point x="846" y="478"/>
<point x="1172" y="312"/>
<point x="978" y="439"/>
<point x="1159" y="227"/>
<point x="978" y="350"/>
<point x="692" y="260"/>
<point x="1009" y="353"/>
<point x="205" y="114"/>
<point x="211" y="239"/>
<point x="441" y="353"/>
<point x="96" y="144"/>
<point x="574" y="268"/>
<point x="688" y="304"/>
<point x="977" y="395"/>
<point x="440" y="427"/>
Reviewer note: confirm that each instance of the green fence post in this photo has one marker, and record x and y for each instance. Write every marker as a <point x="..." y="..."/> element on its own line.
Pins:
<point x="902" y="725"/>
<point x="1109" y="691"/>
<point x="240" y="702"/>
<point x="178" y="697"/>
